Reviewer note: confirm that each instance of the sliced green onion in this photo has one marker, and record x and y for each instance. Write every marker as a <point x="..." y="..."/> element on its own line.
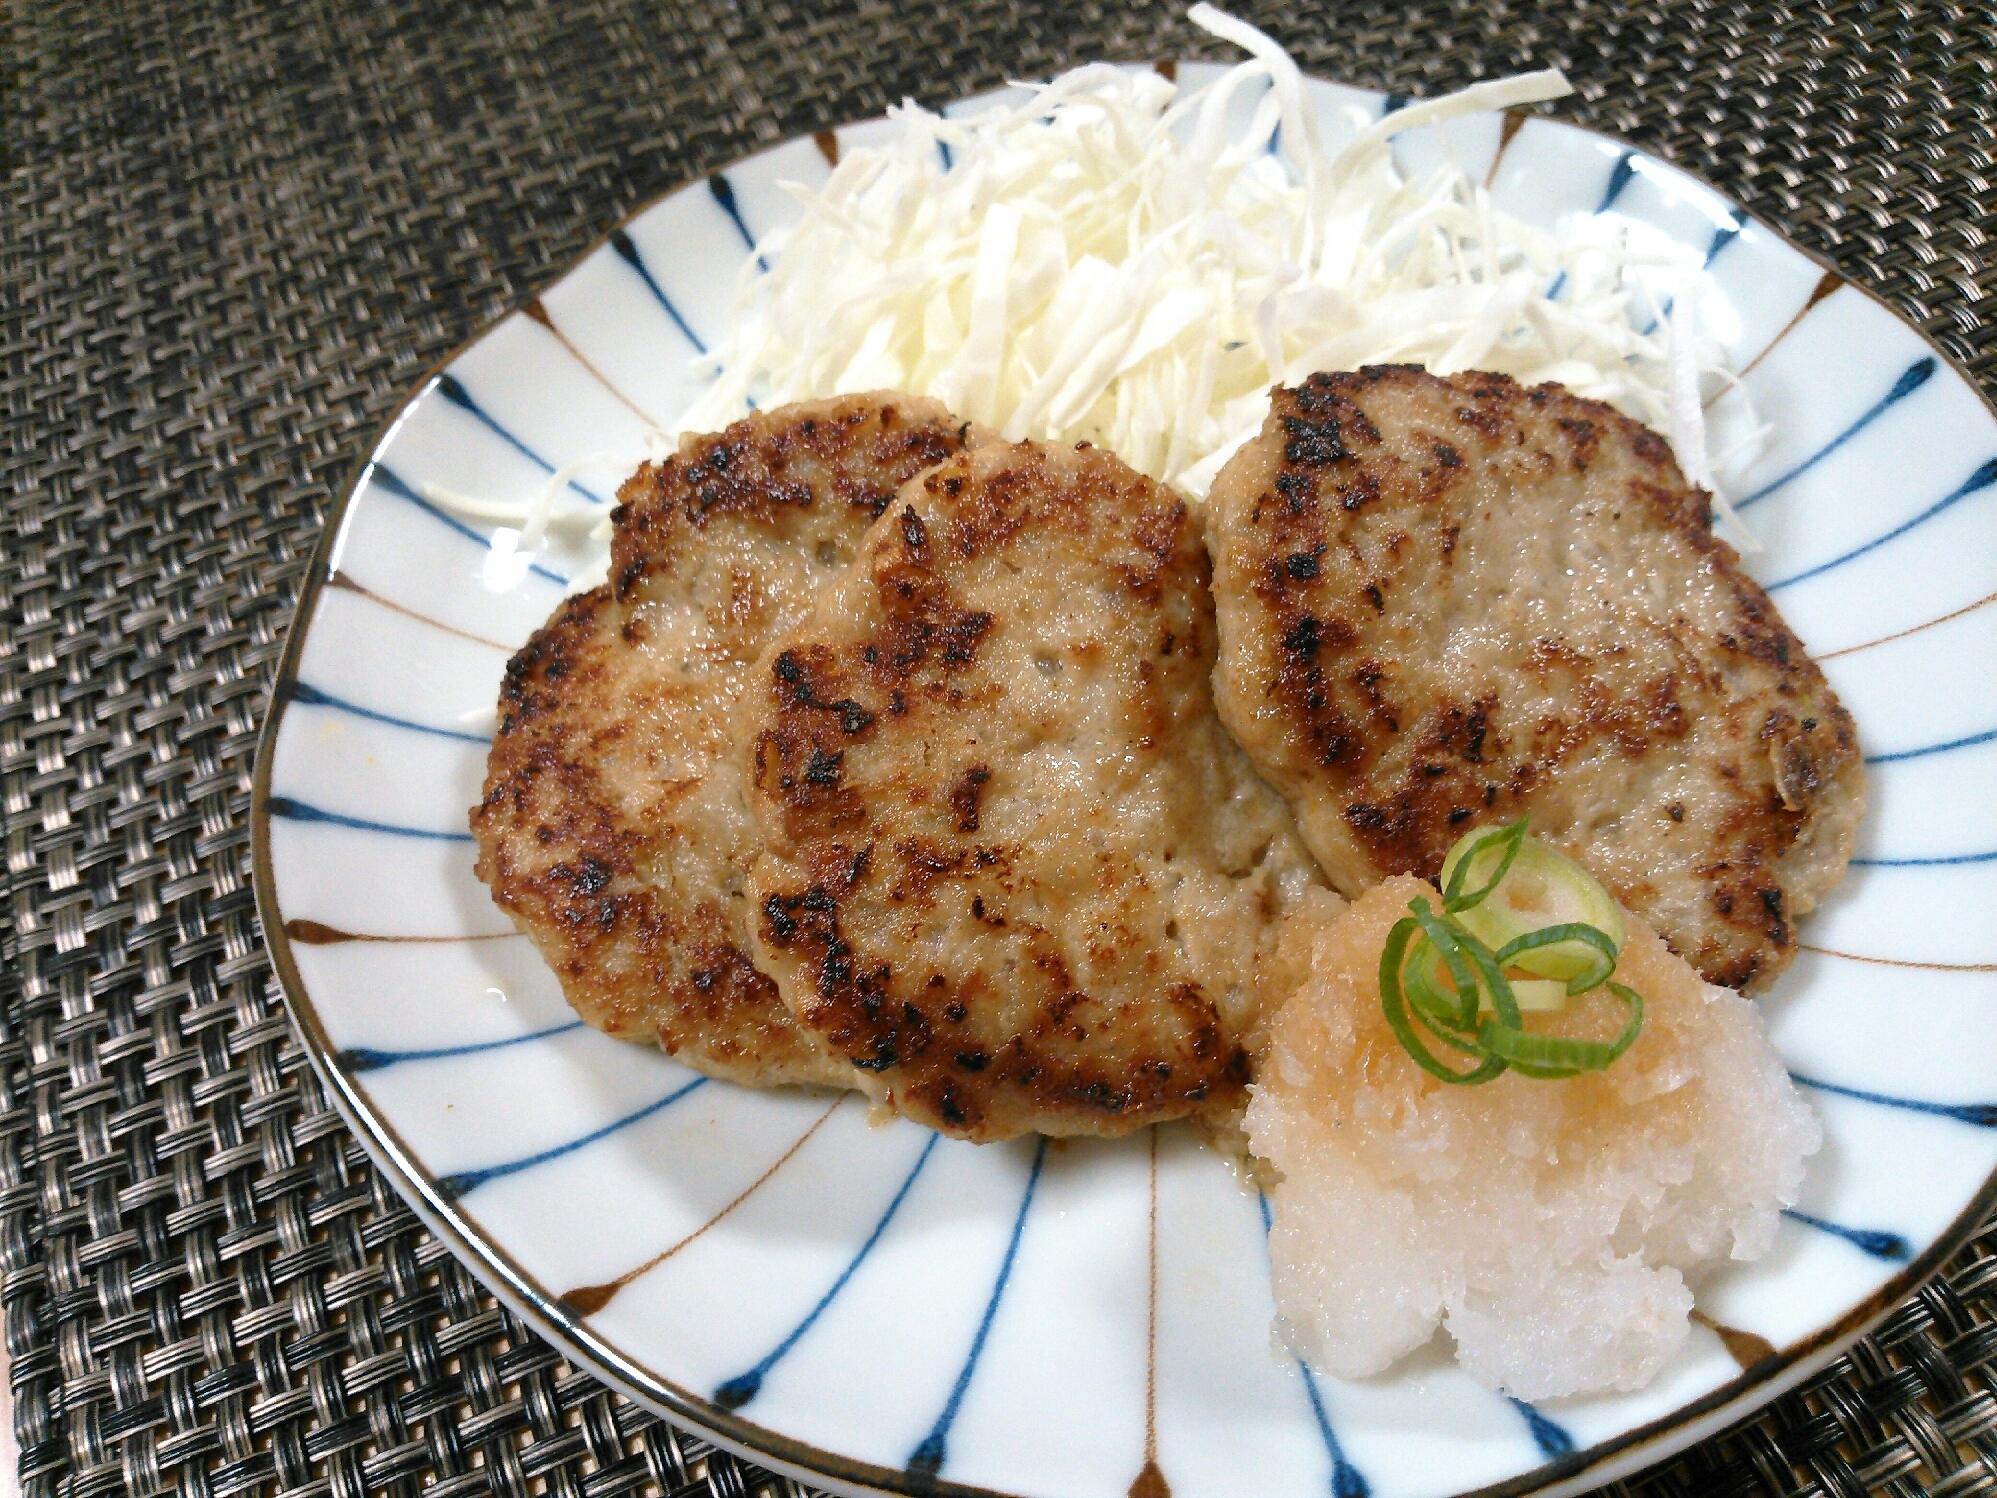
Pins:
<point x="1428" y="998"/>
<point x="1508" y="921"/>
<point x="1539" y="995"/>
<point x="1491" y="978"/>
<point x="1443" y="938"/>
<point x="1392" y="1001"/>
<point x="1558" y="1053"/>
<point x="1527" y="887"/>
<point x="1439" y="1010"/>
<point x="1574" y="938"/>
<point x="1489" y="852"/>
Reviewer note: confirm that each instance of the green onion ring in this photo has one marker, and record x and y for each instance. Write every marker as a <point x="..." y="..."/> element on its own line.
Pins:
<point x="1436" y="1011"/>
<point x="1557" y="1053"/>
<point x="1425" y="994"/>
<point x="1512" y="837"/>
<point x="1443" y="935"/>
<point x="1495" y="984"/>
<point x="1412" y="992"/>
<point x="1574" y="931"/>
<point x="1392" y="1001"/>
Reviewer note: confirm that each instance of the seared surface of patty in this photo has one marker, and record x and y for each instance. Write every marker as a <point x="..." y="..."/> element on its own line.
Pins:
<point x="1451" y="602"/>
<point x="1018" y="874"/>
<point x="613" y="827"/>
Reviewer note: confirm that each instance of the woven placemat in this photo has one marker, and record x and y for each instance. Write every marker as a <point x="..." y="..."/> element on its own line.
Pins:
<point x="233" y="236"/>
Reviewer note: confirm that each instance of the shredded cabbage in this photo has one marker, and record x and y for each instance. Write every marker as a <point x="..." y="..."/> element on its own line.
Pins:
<point x="526" y="524"/>
<point x="1104" y="261"/>
<point x="1111" y="261"/>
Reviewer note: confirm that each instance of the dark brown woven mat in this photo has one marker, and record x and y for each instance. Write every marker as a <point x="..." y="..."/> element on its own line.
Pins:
<point x="232" y="236"/>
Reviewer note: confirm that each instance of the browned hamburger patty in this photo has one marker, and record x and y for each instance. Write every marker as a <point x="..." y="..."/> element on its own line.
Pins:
<point x="1018" y="873"/>
<point x="1451" y="602"/>
<point x="614" y="828"/>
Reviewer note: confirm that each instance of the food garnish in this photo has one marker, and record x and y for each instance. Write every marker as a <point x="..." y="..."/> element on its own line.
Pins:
<point x="1118" y="261"/>
<point x="1528" y="887"/>
<point x="1554" y="1231"/>
<point x="1510" y="905"/>
<point x="1107" y="258"/>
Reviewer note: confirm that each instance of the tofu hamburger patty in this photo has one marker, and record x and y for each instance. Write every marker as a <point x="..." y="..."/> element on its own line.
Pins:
<point x="1451" y="602"/>
<point x="1017" y="873"/>
<point x="614" y="827"/>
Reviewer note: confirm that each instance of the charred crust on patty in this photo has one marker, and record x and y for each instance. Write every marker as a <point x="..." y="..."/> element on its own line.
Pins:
<point x="856" y="1006"/>
<point x="1333" y="680"/>
<point x="957" y="970"/>
<point x="609" y="828"/>
<point x="855" y="455"/>
<point x="965" y="794"/>
<point x="601" y="925"/>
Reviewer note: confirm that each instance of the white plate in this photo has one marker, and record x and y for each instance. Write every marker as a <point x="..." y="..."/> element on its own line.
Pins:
<point x="886" y="1311"/>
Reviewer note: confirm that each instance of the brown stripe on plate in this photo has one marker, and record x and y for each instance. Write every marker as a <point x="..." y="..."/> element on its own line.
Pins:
<point x="539" y="313"/>
<point x="347" y="584"/>
<point x="1745" y="1348"/>
<point x="1150" y="1481"/>
<point x="1929" y="967"/>
<point x="318" y="934"/>
<point x="1827" y="283"/>
<point x="1514" y="118"/>
<point x="587" y="1300"/>
<point x="1967" y="608"/>
<point x="827" y="142"/>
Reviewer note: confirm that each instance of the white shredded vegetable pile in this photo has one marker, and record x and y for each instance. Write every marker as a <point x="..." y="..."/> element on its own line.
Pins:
<point x="1109" y="260"/>
<point x="1105" y="260"/>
